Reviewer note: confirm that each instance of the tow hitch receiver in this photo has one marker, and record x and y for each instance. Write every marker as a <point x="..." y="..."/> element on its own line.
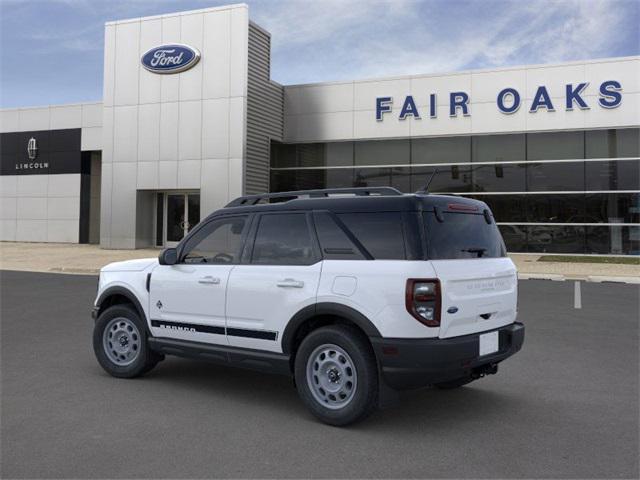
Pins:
<point x="488" y="369"/>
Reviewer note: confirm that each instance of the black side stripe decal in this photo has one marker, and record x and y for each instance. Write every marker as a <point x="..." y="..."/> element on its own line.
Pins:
<point x="188" y="327"/>
<point x="234" y="332"/>
<point x="261" y="334"/>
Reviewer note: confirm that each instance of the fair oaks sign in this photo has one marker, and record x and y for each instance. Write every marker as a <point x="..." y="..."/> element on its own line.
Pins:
<point x="173" y="58"/>
<point x="508" y="100"/>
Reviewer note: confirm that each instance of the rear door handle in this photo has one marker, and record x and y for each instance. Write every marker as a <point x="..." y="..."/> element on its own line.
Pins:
<point x="209" y="280"/>
<point x="290" y="283"/>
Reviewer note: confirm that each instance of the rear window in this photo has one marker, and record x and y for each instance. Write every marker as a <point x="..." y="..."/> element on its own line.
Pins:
<point x="380" y="233"/>
<point x="462" y="235"/>
<point x="283" y="239"/>
<point x="334" y="242"/>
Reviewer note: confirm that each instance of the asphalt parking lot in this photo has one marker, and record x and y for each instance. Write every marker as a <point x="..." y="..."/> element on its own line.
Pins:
<point x="565" y="406"/>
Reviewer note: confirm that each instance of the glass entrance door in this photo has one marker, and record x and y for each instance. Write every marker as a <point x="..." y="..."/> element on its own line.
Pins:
<point x="182" y="214"/>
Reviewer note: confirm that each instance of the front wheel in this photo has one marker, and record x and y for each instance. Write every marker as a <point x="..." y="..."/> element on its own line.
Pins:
<point x="120" y="343"/>
<point x="336" y="375"/>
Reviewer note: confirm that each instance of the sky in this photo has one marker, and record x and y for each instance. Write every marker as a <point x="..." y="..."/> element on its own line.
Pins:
<point x="51" y="51"/>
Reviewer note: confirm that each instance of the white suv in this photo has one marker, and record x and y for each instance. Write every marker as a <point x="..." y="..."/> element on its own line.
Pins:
<point x="354" y="293"/>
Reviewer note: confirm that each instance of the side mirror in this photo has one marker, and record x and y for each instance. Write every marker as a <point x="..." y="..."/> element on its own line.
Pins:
<point x="169" y="256"/>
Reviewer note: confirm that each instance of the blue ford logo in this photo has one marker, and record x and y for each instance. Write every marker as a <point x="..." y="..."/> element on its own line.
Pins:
<point x="172" y="58"/>
<point x="452" y="310"/>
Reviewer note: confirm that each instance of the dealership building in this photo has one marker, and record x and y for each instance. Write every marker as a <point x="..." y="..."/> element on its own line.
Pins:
<point x="190" y="119"/>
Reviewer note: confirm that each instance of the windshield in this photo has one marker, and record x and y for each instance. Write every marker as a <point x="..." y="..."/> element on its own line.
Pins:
<point x="462" y="235"/>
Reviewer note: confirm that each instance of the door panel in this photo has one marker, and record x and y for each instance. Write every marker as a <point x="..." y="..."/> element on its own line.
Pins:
<point x="281" y="278"/>
<point x="185" y="301"/>
<point x="188" y="300"/>
<point x="262" y="298"/>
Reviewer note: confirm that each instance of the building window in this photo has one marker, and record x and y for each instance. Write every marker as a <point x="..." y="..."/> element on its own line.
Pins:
<point x="612" y="143"/>
<point x="447" y="179"/>
<point x="499" y="148"/>
<point x="612" y="208"/>
<point x="554" y="208"/>
<point x="382" y="152"/>
<point x="613" y="240"/>
<point x="499" y="178"/>
<point x="613" y="175"/>
<point x="505" y="208"/>
<point x="440" y="150"/>
<point x="549" y="177"/>
<point x="555" y="145"/>
<point x="556" y="238"/>
<point x="283" y="155"/>
<point x="538" y="168"/>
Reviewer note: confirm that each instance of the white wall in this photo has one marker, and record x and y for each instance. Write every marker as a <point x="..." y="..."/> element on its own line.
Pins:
<point x="87" y="116"/>
<point x="346" y="110"/>
<point x="176" y="131"/>
<point x="46" y="208"/>
<point x="40" y="208"/>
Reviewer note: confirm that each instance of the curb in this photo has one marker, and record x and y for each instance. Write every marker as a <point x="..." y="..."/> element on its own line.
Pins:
<point x="84" y="271"/>
<point x="599" y="279"/>
<point x="541" y="276"/>
<point x="588" y="278"/>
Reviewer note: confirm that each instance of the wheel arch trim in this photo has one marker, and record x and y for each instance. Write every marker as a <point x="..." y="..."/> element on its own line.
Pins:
<point x="125" y="292"/>
<point x="326" y="308"/>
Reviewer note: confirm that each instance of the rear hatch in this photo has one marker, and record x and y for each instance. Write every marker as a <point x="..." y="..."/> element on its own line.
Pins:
<point x="478" y="282"/>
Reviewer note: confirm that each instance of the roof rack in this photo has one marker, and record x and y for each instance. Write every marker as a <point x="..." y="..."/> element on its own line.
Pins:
<point x="360" y="192"/>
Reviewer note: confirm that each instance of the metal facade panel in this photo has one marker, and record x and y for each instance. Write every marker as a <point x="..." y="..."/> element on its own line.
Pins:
<point x="265" y="113"/>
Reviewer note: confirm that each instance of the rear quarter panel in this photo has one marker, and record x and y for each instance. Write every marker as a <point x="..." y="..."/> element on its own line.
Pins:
<point x="376" y="288"/>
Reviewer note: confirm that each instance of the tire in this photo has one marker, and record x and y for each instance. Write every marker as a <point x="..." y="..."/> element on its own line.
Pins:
<point x="123" y="351"/>
<point x="451" y="384"/>
<point x="347" y="390"/>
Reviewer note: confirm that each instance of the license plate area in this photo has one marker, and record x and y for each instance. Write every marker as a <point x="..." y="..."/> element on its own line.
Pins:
<point x="489" y="343"/>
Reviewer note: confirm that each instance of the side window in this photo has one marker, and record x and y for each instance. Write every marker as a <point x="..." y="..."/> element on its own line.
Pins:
<point x="380" y="233"/>
<point x="218" y="242"/>
<point x="283" y="239"/>
<point x="334" y="242"/>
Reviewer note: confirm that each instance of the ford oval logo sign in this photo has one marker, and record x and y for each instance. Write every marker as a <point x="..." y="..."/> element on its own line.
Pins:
<point x="173" y="58"/>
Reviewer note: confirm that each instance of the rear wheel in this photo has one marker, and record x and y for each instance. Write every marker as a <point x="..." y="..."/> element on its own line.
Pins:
<point x="336" y="375"/>
<point x="120" y="343"/>
<point x="451" y="384"/>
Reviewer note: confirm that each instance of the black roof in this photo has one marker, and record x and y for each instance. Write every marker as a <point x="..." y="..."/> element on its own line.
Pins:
<point x="351" y="200"/>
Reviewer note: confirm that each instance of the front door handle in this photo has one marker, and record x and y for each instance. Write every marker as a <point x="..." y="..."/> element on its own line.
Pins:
<point x="209" y="280"/>
<point x="290" y="283"/>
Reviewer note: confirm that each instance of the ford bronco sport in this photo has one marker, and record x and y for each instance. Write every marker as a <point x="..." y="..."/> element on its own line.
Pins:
<point x="355" y="293"/>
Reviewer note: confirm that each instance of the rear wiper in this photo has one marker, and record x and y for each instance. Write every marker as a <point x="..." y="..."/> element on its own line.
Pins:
<point x="478" y="250"/>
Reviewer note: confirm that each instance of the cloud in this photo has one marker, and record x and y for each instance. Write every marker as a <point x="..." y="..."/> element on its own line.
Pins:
<point x="81" y="40"/>
<point x="342" y="40"/>
<point x="321" y="40"/>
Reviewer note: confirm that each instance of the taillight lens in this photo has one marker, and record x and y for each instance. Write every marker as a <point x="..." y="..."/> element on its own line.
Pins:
<point x="423" y="301"/>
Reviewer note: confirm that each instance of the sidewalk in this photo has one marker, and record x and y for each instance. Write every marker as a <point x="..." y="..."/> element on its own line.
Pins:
<point x="530" y="268"/>
<point x="63" y="257"/>
<point x="88" y="259"/>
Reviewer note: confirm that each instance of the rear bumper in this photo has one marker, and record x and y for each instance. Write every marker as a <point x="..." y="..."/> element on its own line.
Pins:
<point x="413" y="363"/>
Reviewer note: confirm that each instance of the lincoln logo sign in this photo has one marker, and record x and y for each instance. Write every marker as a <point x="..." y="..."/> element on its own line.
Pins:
<point x="32" y="149"/>
<point x="172" y="58"/>
<point x="32" y="154"/>
<point x="508" y="101"/>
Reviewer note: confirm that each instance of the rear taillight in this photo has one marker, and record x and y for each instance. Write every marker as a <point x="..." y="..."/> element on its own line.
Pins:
<point x="423" y="301"/>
